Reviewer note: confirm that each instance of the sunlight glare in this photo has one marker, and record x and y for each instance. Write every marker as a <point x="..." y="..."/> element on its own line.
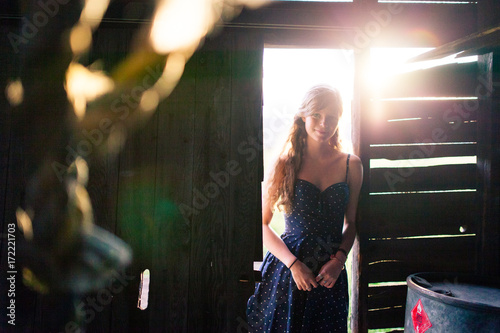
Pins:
<point x="82" y="169"/>
<point x="93" y="11"/>
<point x="174" y="67"/>
<point x="91" y="16"/>
<point x="15" y="92"/>
<point x="180" y="24"/>
<point x="386" y="62"/>
<point x="378" y="163"/>
<point x="149" y="101"/>
<point x="80" y="38"/>
<point x="24" y="223"/>
<point x="252" y="4"/>
<point x="116" y="139"/>
<point x="84" y="85"/>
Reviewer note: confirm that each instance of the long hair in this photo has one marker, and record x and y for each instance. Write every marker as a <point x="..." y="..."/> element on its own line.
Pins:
<point x="282" y="179"/>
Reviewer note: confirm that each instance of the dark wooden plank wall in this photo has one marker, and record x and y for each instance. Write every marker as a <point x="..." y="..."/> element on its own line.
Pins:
<point x="29" y="305"/>
<point x="413" y="220"/>
<point x="188" y="193"/>
<point x="185" y="193"/>
<point x="10" y="189"/>
<point x="361" y="24"/>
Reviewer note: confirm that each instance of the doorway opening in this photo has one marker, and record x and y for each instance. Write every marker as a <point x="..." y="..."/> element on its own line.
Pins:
<point x="288" y="74"/>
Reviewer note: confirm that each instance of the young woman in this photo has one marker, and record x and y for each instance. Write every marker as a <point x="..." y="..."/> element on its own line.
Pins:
<point x="304" y="284"/>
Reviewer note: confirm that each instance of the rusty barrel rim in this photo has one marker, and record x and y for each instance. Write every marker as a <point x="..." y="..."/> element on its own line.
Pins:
<point x="416" y="283"/>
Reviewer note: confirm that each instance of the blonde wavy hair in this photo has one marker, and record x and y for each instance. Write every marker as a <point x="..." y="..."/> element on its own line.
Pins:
<point x="281" y="183"/>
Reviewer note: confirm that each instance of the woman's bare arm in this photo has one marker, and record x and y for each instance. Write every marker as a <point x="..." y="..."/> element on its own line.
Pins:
<point x="301" y="274"/>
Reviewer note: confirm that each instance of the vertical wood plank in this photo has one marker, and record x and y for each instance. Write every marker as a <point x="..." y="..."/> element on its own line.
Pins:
<point x="8" y="60"/>
<point x="245" y="236"/>
<point x="208" y="270"/>
<point x="122" y="193"/>
<point x="361" y="143"/>
<point x="489" y="164"/>
<point x="7" y="167"/>
<point x="169" y="288"/>
<point x="135" y="221"/>
<point x="13" y="192"/>
<point x="102" y="188"/>
<point x="12" y="181"/>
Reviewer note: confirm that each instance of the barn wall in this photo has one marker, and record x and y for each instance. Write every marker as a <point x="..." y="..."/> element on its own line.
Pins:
<point x="418" y="218"/>
<point x="185" y="190"/>
<point x="184" y="193"/>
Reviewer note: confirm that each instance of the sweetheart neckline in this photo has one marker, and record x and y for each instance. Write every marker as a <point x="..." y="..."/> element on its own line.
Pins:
<point x="317" y="188"/>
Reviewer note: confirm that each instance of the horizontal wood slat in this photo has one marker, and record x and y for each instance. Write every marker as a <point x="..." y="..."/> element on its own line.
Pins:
<point x="383" y="271"/>
<point x="386" y="301"/>
<point x="453" y="80"/>
<point x="435" y="178"/>
<point x="422" y="214"/>
<point x="423" y="151"/>
<point x="386" y="318"/>
<point x="448" y="110"/>
<point x="394" y="260"/>
<point x="419" y="115"/>
<point x="437" y="130"/>
<point x="403" y="24"/>
<point x="380" y="297"/>
<point x="421" y="249"/>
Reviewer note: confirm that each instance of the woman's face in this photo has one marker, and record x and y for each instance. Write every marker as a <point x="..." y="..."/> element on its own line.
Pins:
<point x="322" y="124"/>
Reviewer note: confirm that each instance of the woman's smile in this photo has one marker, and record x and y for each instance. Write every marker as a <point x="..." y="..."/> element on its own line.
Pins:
<point x="322" y="132"/>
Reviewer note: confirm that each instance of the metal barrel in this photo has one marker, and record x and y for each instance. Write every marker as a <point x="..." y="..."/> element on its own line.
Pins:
<point x="449" y="302"/>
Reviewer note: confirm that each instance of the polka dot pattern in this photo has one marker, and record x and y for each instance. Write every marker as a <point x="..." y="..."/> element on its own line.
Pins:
<point x="313" y="232"/>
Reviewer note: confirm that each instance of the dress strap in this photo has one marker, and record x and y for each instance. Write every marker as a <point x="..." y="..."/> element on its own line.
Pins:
<point x="347" y="167"/>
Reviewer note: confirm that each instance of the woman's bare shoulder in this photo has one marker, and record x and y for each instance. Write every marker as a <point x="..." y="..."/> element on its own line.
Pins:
<point x="354" y="159"/>
<point x="355" y="168"/>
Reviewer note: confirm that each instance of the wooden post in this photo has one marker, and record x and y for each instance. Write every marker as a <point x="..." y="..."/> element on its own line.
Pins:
<point x="360" y="109"/>
<point x="489" y="164"/>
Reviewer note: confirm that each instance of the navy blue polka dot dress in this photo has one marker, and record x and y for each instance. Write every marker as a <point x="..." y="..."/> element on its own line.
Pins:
<point x="313" y="232"/>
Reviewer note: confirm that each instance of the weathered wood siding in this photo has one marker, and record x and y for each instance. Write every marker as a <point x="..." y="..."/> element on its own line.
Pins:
<point x="184" y="193"/>
<point x="188" y="194"/>
<point x="418" y="218"/>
